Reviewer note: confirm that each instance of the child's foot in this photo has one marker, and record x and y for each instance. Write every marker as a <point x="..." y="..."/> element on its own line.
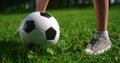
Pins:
<point x="99" y="45"/>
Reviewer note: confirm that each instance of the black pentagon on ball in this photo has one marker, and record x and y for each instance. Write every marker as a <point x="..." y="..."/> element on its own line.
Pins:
<point x="29" y="26"/>
<point x="50" y="33"/>
<point x="45" y="15"/>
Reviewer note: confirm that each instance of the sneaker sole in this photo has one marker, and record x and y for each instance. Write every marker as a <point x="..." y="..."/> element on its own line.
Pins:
<point x="89" y="51"/>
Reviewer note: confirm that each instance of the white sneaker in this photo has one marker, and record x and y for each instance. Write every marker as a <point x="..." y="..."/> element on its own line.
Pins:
<point x="98" y="46"/>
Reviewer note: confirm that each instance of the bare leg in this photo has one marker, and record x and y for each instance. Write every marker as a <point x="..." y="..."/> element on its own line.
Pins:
<point x="101" y="11"/>
<point x="41" y="5"/>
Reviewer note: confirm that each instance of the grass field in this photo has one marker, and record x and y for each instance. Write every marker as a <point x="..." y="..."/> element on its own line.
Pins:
<point x="77" y="27"/>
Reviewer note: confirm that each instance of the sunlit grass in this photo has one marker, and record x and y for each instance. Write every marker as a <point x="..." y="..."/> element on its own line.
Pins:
<point x="77" y="27"/>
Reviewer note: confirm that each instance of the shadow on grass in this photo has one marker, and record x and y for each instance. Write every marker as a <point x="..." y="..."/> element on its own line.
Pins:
<point x="16" y="52"/>
<point x="11" y="51"/>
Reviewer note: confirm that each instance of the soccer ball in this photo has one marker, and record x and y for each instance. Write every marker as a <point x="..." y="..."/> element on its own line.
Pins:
<point x="39" y="28"/>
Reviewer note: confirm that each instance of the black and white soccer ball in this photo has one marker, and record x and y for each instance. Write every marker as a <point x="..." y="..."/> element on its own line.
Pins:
<point x="39" y="28"/>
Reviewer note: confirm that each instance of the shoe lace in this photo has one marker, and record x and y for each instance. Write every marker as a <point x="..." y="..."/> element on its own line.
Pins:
<point x="93" y="41"/>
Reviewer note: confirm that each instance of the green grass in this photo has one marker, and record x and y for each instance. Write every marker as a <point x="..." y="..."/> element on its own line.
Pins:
<point x="77" y="27"/>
